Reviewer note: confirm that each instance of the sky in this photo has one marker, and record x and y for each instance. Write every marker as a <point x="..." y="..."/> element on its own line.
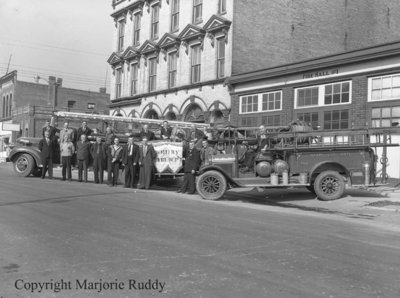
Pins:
<point x="68" y="39"/>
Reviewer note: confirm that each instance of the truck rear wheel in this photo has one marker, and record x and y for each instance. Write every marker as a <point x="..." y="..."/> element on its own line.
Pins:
<point x="24" y="165"/>
<point x="211" y="185"/>
<point x="329" y="185"/>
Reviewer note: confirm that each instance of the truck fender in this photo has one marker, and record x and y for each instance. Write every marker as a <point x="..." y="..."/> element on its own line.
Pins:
<point x="218" y="169"/>
<point x="24" y="150"/>
<point x="327" y="165"/>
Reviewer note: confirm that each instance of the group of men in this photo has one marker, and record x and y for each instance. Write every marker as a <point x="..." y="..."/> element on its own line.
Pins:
<point x="110" y="155"/>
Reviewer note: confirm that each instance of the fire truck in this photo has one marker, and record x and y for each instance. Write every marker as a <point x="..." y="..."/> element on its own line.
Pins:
<point x="325" y="162"/>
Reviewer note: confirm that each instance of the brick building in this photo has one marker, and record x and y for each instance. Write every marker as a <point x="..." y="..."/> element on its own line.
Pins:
<point x="31" y="104"/>
<point x="354" y="89"/>
<point x="171" y="57"/>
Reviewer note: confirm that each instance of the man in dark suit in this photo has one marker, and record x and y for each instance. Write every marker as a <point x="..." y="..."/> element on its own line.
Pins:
<point x="146" y="133"/>
<point x="50" y="129"/>
<point x="82" y="155"/>
<point x="192" y="164"/>
<point x="98" y="153"/>
<point x="166" y="131"/>
<point x="83" y="130"/>
<point x="47" y="147"/>
<point x="146" y="163"/>
<point x="130" y="158"/>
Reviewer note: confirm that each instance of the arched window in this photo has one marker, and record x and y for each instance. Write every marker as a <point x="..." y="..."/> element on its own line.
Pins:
<point x="194" y="114"/>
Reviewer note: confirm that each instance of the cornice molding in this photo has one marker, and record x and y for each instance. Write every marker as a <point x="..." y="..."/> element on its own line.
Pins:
<point x="138" y="4"/>
<point x="336" y="60"/>
<point x="115" y="59"/>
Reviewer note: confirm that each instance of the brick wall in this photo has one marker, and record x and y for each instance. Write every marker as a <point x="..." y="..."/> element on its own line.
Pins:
<point x="269" y="33"/>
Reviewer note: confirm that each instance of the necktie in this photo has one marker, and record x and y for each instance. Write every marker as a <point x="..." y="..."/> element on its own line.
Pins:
<point x="98" y="148"/>
<point x="130" y="150"/>
<point x="144" y="150"/>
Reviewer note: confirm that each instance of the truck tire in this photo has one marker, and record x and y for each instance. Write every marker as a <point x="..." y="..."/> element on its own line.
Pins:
<point x="211" y="185"/>
<point x="24" y="165"/>
<point x="329" y="185"/>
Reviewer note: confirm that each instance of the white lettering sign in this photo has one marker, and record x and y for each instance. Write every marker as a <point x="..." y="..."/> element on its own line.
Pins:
<point x="169" y="156"/>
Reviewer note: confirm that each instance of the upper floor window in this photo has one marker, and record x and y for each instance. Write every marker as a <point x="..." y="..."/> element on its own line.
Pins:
<point x="197" y="11"/>
<point x="121" y="34"/>
<point x="323" y="95"/>
<point x="155" y="20"/>
<point x="136" y="28"/>
<point x="271" y="101"/>
<point x="152" y="74"/>
<point x="221" y="6"/>
<point x="174" y="15"/>
<point x="337" y="93"/>
<point x="134" y="78"/>
<point x="386" y="116"/>
<point x="172" y="66"/>
<point x="220" y="58"/>
<point x="384" y="87"/>
<point x="196" y="64"/>
<point x="118" y="82"/>
<point x="249" y="104"/>
<point x="264" y="102"/>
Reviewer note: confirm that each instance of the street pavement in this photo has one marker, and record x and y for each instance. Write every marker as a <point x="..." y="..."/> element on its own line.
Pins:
<point x="70" y="239"/>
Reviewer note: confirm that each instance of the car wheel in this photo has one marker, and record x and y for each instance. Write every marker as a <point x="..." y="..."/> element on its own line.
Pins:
<point x="211" y="185"/>
<point x="24" y="165"/>
<point x="329" y="185"/>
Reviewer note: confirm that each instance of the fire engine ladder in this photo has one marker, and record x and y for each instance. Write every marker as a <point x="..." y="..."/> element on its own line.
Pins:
<point x="84" y="116"/>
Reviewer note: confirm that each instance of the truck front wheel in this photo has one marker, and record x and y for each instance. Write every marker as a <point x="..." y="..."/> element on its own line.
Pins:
<point x="329" y="185"/>
<point x="211" y="185"/>
<point x="24" y="165"/>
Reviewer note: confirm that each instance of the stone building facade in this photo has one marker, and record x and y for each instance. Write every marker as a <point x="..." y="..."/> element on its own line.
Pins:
<point x="171" y="57"/>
